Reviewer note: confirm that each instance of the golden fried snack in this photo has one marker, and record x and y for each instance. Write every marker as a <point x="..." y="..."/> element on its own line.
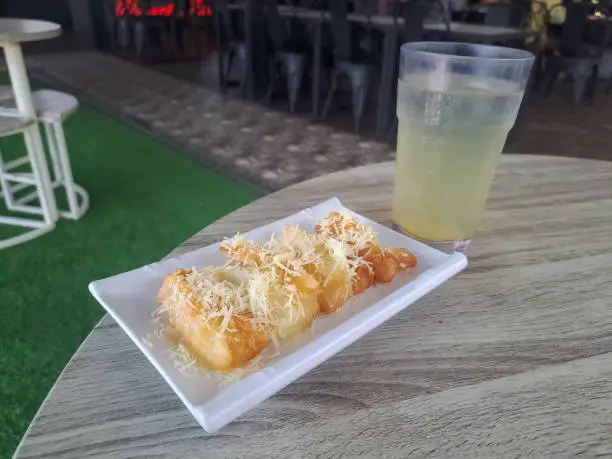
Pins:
<point x="227" y="315"/>
<point x="300" y="255"/>
<point x="289" y="304"/>
<point x="325" y="260"/>
<point x="364" y="251"/>
<point x="222" y="341"/>
<point x="362" y="279"/>
<point x="334" y="274"/>
<point x="281" y="287"/>
<point x="300" y="311"/>
<point x="241" y="250"/>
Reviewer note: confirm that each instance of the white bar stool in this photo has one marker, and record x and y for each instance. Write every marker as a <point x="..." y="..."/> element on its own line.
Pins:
<point x="52" y="108"/>
<point x="19" y="180"/>
<point x="12" y="33"/>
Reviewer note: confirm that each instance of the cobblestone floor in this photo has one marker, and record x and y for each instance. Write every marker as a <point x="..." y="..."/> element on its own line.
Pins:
<point x="269" y="148"/>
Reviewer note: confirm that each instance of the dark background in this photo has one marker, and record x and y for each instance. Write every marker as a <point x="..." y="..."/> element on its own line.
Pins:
<point x="51" y="10"/>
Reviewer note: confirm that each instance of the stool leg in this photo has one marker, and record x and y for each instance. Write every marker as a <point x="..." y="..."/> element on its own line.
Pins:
<point x="66" y="171"/>
<point x="38" y="164"/>
<point x="6" y="187"/>
<point x="23" y="99"/>
<point x="57" y="177"/>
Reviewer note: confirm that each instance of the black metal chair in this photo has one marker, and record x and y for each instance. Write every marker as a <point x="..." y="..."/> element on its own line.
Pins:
<point x="167" y="28"/>
<point x="438" y="11"/>
<point x="498" y="15"/>
<point x="538" y="19"/>
<point x="573" y="55"/>
<point x="287" y="54"/>
<point x="513" y="14"/>
<point x="369" y="38"/>
<point x="131" y="23"/>
<point x="413" y="13"/>
<point x="349" y="60"/>
<point x="112" y="22"/>
<point x="231" y="43"/>
<point x="367" y="7"/>
<point x="120" y="24"/>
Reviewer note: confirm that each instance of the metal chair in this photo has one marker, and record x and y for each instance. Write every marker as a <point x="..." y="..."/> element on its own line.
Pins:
<point x="438" y="11"/>
<point x="498" y="15"/>
<point x="111" y="21"/>
<point x="514" y="14"/>
<point x="231" y="44"/>
<point x="348" y="60"/>
<point x="537" y="20"/>
<point x="367" y="7"/>
<point x="286" y="54"/>
<point x="571" y="54"/>
<point x="369" y="38"/>
<point x="413" y="13"/>
<point x="132" y="22"/>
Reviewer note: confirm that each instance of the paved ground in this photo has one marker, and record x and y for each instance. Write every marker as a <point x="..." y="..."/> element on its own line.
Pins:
<point x="550" y="126"/>
<point x="267" y="146"/>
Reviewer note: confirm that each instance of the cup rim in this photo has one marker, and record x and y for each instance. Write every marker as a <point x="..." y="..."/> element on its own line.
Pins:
<point x="443" y="49"/>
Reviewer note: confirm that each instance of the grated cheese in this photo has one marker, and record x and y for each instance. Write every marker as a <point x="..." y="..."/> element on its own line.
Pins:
<point x="147" y="340"/>
<point x="263" y="283"/>
<point x="238" y="373"/>
<point x="182" y="359"/>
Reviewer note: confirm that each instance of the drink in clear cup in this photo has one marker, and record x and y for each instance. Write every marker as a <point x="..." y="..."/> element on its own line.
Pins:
<point x="456" y="104"/>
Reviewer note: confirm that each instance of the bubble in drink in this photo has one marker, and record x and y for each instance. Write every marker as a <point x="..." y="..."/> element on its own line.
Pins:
<point x="448" y="145"/>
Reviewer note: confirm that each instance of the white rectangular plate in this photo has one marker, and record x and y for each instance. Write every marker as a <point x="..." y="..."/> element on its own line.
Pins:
<point x="130" y="298"/>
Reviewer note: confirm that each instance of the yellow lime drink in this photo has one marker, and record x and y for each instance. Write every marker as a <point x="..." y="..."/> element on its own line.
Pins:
<point x="451" y="131"/>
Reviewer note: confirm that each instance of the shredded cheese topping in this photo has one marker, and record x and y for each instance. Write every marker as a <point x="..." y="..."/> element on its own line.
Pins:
<point x="346" y="237"/>
<point x="263" y="283"/>
<point x="182" y="359"/>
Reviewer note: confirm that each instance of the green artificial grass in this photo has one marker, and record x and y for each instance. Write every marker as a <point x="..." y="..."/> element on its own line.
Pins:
<point x="145" y="200"/>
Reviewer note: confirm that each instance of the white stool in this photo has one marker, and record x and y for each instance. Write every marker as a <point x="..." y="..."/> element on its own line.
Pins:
<point x="6" y="93"/>
<point x="13" y="180"/>
<point x="52" y="108"/>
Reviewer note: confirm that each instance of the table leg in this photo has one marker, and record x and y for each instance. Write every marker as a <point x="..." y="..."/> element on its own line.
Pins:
<point x="220" y="50"/>
<point x="23" y="99"/>
<point x="316" y="73"/>
<point x="249" y="39"/>
<point x="388" y="73"/>
<point x="255" y="49"/>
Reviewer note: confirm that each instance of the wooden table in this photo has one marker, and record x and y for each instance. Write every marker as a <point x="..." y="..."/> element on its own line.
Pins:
<point x="512" y="358"/>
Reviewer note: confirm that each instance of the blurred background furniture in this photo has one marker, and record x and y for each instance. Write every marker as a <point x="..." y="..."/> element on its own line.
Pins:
<point x="52" y="108"/>
<point x="12" y="33"/>
<point x="508" y="14"/>
<point x="265" y="46"/>
<point x="350" y="60"/>
<point x="577" y="50"/>
<point x="395" y="27"/>
<point x="287" y="53"/>
<point x="155" y="30"/>
<point x="413" y="13"/>
<point x="231" y="44"/>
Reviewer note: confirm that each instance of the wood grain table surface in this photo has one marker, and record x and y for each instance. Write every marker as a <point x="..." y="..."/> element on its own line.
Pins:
<point x="512" y="358"/>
